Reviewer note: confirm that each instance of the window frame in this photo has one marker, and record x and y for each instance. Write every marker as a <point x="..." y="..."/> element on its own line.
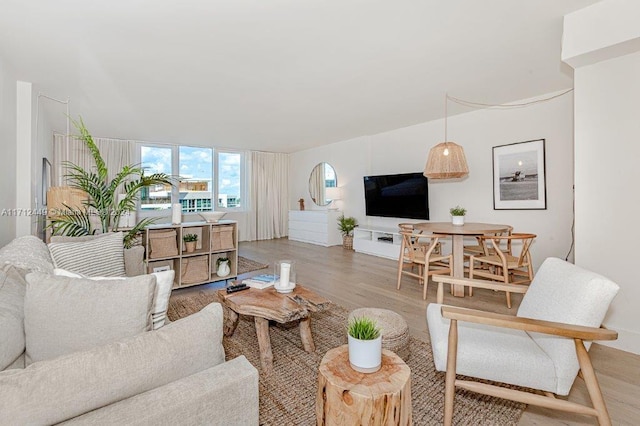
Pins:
<point x="175" y="166"/>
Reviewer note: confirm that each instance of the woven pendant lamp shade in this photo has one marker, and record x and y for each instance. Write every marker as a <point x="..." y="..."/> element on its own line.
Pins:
<point x="446" y="161"/>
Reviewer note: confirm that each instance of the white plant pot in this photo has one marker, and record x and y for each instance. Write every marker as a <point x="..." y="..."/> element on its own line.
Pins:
<point x="223" y="269"/>
<point x="365" y="356"/>
<point x="457" y="220"/>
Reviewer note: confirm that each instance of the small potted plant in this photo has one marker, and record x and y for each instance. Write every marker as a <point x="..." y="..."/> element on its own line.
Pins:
<point x="457" y="215"/>
<point x="190" y="241"/>
<point x="346" y="225"/>
<point x="365" y="345"/>
<point x="222" y="266"/>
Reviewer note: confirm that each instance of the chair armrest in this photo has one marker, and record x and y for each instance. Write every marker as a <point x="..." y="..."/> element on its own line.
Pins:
<point x="528" y="324"/>
<point x="491" y="285"/>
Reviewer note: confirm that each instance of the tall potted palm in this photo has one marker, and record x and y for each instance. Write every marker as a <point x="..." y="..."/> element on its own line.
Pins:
<point x="103" y="193"/>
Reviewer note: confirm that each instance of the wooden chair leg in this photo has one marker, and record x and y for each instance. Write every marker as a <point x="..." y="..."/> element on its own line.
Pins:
<point x="508" y="300"/>
<point x="471" y="266"/>
<point x="591" y="381"/>
<point x="424" y="289"/>
<point x="400" y="265"/>
<point x="450" y="377"/>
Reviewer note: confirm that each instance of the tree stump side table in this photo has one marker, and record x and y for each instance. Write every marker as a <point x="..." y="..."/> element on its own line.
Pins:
<point x="347" y="397"/>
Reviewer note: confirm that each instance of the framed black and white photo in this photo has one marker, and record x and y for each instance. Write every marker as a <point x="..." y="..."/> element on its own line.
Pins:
<point x="46" y="179"/>
<point x="519" y="181"/>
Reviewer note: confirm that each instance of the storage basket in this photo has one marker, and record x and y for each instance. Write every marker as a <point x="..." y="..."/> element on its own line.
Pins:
<point x="163" y="244"/>
<point x="222" y="237"/>
<point x="194" y="270"/>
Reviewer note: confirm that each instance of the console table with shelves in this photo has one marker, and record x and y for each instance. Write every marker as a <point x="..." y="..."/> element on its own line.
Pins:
<point x="377" y="241"/>
<point x="165" y="249"/>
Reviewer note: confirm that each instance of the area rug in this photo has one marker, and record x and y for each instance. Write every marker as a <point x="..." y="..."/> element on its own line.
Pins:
<point x="287" y="396"/>
<point x="247" y="265"/>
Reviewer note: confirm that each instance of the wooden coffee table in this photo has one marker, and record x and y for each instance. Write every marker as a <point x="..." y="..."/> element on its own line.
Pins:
<point x="269" y="305"/>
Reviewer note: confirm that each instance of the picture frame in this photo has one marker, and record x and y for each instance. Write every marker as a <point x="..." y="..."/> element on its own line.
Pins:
<point x="519" y="176"/>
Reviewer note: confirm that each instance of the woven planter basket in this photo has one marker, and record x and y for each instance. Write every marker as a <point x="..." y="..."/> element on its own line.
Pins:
<point x="347" y="242"/>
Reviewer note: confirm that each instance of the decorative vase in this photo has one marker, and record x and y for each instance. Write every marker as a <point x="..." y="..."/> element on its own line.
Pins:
<point x="457" y="220"/>
<point x="365" y="356"/>
<point x="223" y="268"/>
<point x="347" y="242"/>
<point x="190" y="246"/>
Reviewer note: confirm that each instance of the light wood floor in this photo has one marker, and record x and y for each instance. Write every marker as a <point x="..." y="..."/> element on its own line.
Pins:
<point x="355" y="280"/>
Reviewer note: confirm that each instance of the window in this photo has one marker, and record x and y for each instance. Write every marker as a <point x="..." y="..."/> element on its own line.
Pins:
<point x="229" y="180"/>
<point x="193" y="168"/>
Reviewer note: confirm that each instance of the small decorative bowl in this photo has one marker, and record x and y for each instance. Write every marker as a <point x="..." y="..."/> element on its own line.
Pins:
<point x="212" y="217"/>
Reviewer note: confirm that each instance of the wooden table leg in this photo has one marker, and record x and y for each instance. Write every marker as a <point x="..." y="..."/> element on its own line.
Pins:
<point x="231" y="318"/>
<point x="458" y="263"/>
<point x="264" y="344"/>
<point x="305" y="335"/>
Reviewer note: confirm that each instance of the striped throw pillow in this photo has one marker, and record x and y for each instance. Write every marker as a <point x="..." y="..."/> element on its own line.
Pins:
<point x="101" y="257"/>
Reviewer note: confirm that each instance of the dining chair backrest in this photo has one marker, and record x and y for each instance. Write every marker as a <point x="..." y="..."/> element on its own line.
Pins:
<point x="415" y="250"/>
<point x="495" y="243"/>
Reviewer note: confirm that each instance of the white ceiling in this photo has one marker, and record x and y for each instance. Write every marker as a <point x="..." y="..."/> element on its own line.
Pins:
<point x="279" y="75"/>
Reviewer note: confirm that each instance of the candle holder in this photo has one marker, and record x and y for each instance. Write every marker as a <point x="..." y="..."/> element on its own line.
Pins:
<point x="285" y="273"/>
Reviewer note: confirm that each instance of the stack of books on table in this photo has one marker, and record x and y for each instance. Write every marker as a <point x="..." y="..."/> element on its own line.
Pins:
<point x="261" y="281"/>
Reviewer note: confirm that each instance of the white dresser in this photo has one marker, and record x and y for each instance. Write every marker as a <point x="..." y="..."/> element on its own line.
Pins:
<point x="315" y="226"/>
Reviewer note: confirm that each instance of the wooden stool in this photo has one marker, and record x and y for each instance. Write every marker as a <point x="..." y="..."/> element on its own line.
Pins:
<point x="394" y="329"/>
<point x="347" y="397"/>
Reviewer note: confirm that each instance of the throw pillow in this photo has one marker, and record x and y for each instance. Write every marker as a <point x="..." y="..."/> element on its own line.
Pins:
<point x="99" y="257"/>
<point x="12" y="289"/>
<point x="28" y="253"/>
<point x="164" y="285"/>
<point x="64" y="315"/>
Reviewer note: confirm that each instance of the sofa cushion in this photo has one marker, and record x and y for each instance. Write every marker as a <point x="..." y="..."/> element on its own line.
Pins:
<point x="28" y="253"/>
<point x="164" y="281"/>
<point x="102" y="256"/>
<point x="12" y="290"/>
<point x="64" y="315"/>
<point x="51" y="391"/>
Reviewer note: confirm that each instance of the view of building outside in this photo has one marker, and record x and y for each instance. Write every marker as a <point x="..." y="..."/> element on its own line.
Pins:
<point x="229" y="171"/>
<point x="195" y="178"/>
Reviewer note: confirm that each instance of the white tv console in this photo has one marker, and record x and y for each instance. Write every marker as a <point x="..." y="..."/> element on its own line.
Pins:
<point x="377" y="241"/>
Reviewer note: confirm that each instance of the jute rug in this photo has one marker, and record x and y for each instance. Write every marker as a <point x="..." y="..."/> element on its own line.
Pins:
<point x="287" y="397"/>
<point x="247" y="265"/>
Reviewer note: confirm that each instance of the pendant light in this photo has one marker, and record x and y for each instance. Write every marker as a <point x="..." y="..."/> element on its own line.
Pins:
<point x="446" y="160"/>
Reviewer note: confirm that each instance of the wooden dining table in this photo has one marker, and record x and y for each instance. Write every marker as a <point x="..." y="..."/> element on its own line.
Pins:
<point x="458" y="232"/>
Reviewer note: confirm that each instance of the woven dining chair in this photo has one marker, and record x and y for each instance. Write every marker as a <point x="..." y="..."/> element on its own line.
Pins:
<point x="497" y="264"/>
<point x="422" y="251"/>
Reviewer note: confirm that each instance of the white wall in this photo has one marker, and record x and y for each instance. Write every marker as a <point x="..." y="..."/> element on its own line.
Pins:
<point x="8" y="146"/>
<point x="607" y="131"/>
<point x="406" y="149"/>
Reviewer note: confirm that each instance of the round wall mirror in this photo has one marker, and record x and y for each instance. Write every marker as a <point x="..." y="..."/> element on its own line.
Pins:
<point x="323" y="176"/>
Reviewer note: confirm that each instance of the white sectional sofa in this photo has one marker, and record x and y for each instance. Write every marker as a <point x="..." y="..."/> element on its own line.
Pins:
<point x="176" y="374"/>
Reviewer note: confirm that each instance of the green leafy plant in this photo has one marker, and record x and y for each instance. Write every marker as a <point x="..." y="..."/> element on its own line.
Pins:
<point x="220" y="260"/>
<point x="346" y="225"/>
<point x="458" y="211"/>
<point x="363" y="328"/>
<point x="103" y="195"/>
<point x="187" y="238"/>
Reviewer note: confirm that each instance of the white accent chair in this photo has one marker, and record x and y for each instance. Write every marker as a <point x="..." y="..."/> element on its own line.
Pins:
<point x="543" y="347"/>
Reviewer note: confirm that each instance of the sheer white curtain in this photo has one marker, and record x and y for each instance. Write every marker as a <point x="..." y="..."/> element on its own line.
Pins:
<point x="116" y="153"/>
<point x="269" y="196"/>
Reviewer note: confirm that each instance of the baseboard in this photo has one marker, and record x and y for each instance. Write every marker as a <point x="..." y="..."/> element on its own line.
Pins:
<point x="628" y="340"/>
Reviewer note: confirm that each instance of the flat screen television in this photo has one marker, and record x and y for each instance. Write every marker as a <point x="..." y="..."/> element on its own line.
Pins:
<point x="403" y="195"/>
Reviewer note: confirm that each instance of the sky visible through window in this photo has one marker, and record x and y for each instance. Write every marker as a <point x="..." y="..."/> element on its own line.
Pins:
<point x="196" y="164"/>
